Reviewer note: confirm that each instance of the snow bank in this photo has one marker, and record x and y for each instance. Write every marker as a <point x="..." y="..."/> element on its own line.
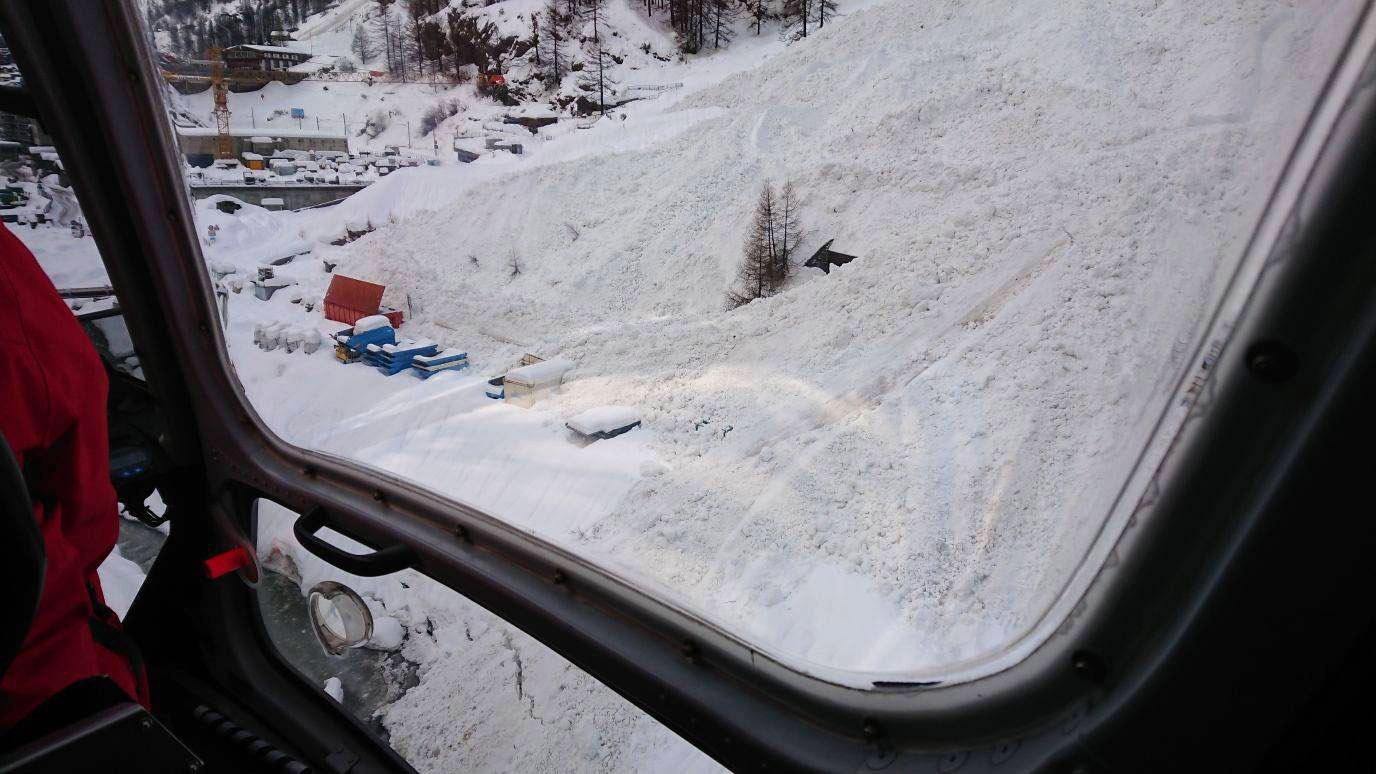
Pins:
<point x="1042" y="205"/>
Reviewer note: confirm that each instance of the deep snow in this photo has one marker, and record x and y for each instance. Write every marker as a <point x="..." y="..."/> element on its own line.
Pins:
<point x="894" y="468"/>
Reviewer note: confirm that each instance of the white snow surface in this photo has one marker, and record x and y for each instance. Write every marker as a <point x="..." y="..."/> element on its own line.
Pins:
<point x="120" y="581"/>
<point x="888" y="471"/>
<point x="1044" y="200"/>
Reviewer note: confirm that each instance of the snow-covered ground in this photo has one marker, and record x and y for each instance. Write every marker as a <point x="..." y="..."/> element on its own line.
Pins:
<point x="891" y="468"/>
<point x="894" y="468"/>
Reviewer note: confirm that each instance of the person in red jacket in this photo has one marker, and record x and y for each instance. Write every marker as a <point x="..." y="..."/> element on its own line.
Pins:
<point x="53" y="389"/>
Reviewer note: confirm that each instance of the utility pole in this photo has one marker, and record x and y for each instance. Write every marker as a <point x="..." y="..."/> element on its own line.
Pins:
<point x="408" y="134"/>
<point x="253" y="118"/>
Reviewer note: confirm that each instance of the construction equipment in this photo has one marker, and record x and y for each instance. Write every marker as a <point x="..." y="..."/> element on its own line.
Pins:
<point x="223" y="147"/>
<point x="492" y="85"/>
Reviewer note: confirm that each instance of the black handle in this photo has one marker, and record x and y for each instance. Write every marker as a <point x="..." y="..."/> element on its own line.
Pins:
<point x="382" y="562"/>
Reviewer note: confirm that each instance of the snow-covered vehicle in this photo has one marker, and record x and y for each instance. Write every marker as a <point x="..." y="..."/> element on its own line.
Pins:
<point x="604" y="422"/>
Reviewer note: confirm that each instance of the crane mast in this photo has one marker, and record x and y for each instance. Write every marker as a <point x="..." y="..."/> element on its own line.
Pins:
<point x="220" y="91"/>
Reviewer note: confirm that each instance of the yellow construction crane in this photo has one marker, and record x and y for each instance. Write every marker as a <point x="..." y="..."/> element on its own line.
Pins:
<point x="220" y="90"/>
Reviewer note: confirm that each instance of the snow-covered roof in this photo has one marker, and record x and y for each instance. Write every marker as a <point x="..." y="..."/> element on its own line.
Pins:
<point x="256" y="135"/>
<point x="547" y="372"/>
<point x="603" y="419"/>
<point x="271" y="49"/>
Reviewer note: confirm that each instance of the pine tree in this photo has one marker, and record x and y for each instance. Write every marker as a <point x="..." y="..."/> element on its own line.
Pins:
<point x="472" y="43"/>
<point x="386" y="31"/>
<point x="789" y="229"/>
<point x="826" y="9"/>
<point x="756" y="277"/>
<point x="797" y="16"/>
<point x="759" y="11"/>
<point x="596" y="72"/>
<point x="595" y="11"/>
<point x="362" y="44"/>
<point x="554" y="44"/>
<point x="723" y="16"/>
<point x="535" y="39"/>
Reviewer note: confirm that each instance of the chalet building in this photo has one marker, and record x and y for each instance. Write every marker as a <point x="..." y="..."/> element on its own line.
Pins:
<point x="265" y="58"/>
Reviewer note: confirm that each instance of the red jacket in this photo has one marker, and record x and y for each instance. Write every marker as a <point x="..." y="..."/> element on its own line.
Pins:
<point x="52" y="387"/>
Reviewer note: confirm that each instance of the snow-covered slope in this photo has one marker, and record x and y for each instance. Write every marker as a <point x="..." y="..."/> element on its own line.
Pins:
<point x="1043" y="199"/>
<point x="334" y="101"/>
<point x="892" y="468"/>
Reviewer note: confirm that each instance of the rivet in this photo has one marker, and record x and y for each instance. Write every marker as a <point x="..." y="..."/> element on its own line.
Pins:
<point x="1089" y="666"/>
<point x="1272" y="362"/>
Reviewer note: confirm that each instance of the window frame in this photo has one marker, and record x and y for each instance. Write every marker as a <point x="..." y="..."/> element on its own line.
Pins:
<point x="728" y="698"/>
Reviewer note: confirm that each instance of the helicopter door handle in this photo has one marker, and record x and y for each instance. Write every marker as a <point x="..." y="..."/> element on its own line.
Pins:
<point x="381" y="562"/>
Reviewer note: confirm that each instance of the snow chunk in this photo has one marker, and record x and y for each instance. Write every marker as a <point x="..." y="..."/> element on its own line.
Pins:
<point x="387" y="633"/>
<point x="120" y="580"/>
<point x="335" y="688"/>
<point x="371" y="322"/>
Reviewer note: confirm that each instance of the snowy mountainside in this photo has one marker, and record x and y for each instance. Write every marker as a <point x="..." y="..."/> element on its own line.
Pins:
<point x="1042" y="198"/>
<point x="643" y="49"/>
<point x="893" y="468"/>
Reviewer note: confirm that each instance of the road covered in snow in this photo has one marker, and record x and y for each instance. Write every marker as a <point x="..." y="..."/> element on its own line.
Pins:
<point x="892" y="469"/>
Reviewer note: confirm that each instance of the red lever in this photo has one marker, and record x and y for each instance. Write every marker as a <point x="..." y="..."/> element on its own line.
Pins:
<point x="229" y="561"/>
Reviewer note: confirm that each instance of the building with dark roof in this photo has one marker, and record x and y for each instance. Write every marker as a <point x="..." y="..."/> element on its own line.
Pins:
<point x="253" y="57"/>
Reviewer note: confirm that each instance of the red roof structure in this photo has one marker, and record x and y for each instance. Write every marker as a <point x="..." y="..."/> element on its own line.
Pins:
<point x="350" y="299"/>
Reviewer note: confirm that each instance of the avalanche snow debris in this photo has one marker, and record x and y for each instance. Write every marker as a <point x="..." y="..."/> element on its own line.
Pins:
<point x="892" y="469"/>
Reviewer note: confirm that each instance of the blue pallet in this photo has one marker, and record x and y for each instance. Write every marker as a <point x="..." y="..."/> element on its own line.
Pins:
<point x="436" y="360"/>
<point x="398" y="360"/>
<point x="421" y="373"/>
